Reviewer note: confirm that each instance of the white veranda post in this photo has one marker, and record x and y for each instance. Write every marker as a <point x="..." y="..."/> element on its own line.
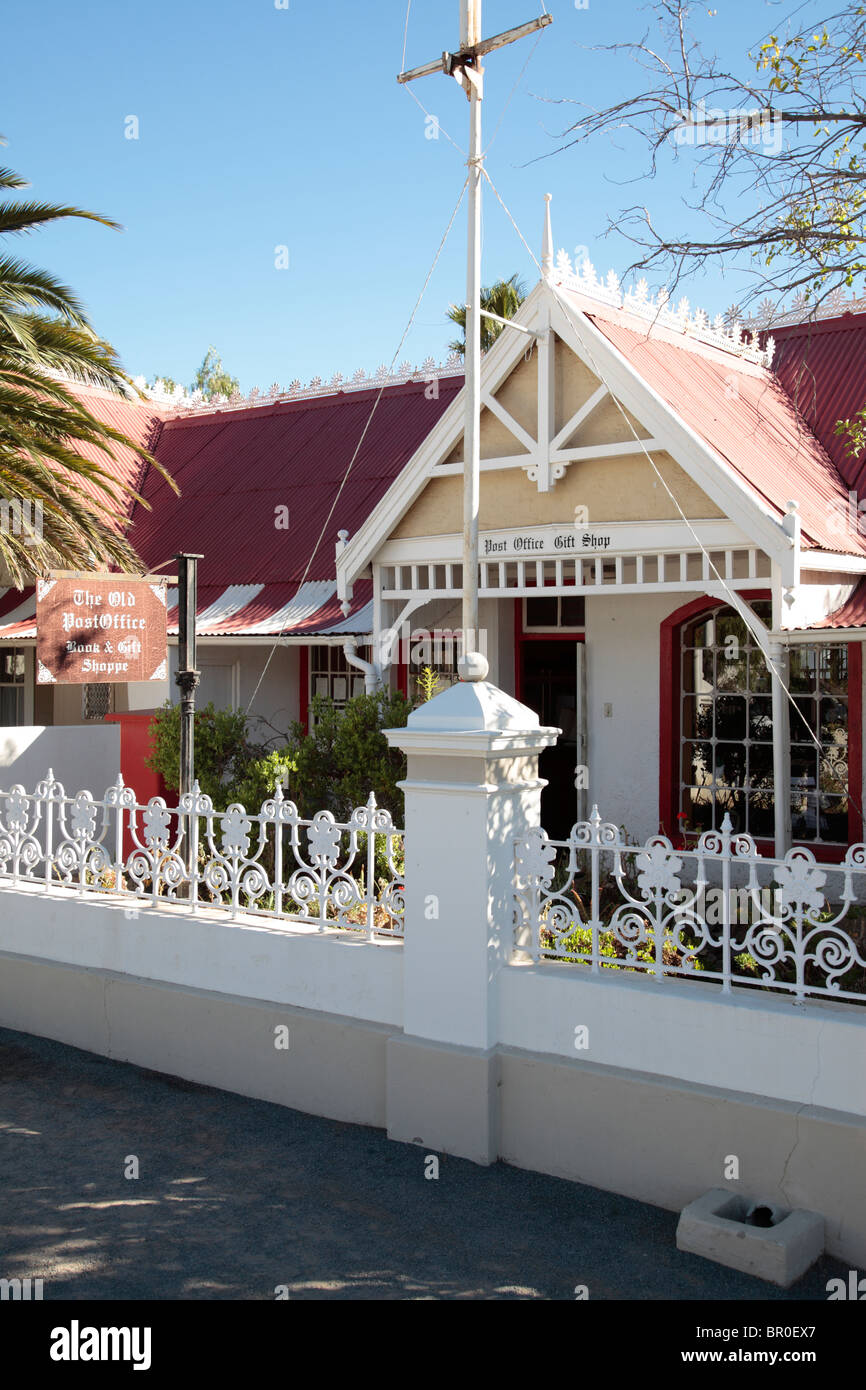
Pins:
<point x="465" y="66"/>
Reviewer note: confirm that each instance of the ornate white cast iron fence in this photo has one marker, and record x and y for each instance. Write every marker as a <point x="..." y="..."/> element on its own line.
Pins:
<point x="717" y="911"/>
<point x="275" y="864"/>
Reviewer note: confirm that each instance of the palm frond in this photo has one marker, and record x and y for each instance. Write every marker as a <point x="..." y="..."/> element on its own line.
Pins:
<point x="19" y="218"/>
<point x="23" y="286"/>
<point x="8" y="177"/>
<point x="47" y="346"/>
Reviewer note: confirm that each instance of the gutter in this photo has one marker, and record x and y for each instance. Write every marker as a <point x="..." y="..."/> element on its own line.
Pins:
<point x="812" y="635"/>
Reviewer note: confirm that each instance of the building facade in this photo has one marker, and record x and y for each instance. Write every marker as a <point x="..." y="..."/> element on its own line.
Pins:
<point x="671" y="567"/>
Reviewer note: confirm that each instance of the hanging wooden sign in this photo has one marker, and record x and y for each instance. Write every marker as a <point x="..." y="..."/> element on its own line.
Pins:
<point x="100" y="630"/>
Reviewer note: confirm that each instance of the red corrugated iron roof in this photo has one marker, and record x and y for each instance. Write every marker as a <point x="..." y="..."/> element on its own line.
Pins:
<point x="822" y="366"/>
<point x="272" y="609"/>
<point x="237" y="468"/>
<point x="17" y="612"/>
<point x="746" y="417"/>
<point x="140" y="421"/>
<point x="851" y="614"/>
<point x="10" y="599"/>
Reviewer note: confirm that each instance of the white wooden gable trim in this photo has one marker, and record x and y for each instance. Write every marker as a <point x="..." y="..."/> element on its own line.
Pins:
<point x="497" y="364"/>
<point x="704" y="466"/>
<point x="540" y="310"/>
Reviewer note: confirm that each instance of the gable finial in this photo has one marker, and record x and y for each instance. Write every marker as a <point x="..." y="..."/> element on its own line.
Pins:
<point x="547" y="242"/>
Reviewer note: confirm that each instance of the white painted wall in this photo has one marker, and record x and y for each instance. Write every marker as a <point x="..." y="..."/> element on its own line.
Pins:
<point x="622" y="656"/>
<point x="141" y="695"/>
<point x="455" y="994"/>
<point x="332" y="972"/>
<point x="85" y="757"/>
<point x="235" y="668"/>
<point x="817" y="595"/>
<point x="752" y="1043"/>
<point x="809" y="1053"/>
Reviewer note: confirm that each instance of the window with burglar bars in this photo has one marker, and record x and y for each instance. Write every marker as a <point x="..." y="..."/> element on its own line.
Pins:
<point x="726" y="732"/>
<point x="96" y="701"/>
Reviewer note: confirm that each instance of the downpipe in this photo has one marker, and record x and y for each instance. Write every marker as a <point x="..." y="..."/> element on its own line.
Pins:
<point x="370" y="669"/>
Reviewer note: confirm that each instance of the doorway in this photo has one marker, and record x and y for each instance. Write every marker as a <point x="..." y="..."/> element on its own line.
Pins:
<point x="550" y="684"/>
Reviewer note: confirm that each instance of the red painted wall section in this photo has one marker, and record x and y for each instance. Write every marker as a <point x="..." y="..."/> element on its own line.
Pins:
<point x="304" y="687"/>
<point x="134" y="748"/>
<point x="855" y="742"/>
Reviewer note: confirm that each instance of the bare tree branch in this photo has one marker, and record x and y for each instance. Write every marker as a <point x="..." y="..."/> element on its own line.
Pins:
<point x="785" y="140"/>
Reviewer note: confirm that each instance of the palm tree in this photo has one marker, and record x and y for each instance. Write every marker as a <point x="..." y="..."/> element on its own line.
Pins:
<point x="46" y="345"/>
<point x="503" y="298"/>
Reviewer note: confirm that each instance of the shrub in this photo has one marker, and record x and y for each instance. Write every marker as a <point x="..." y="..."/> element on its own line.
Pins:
<point x="333" y="767"/>
<point x="345" y="756"/>
<point x="229" y="766"/>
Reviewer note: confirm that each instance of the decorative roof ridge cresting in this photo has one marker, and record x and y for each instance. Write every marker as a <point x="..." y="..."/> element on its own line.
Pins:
<point x="196" y="403"/>
<point x="725" y="331"/>
<point x="802" y="310"/>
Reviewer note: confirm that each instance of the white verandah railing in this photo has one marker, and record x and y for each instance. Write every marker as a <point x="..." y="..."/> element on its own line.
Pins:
<point x="717" y="911"/>
<point x="334" y="874"/>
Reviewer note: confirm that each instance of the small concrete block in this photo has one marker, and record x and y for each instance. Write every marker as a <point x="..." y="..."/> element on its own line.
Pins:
<point x="715" y="1227"/>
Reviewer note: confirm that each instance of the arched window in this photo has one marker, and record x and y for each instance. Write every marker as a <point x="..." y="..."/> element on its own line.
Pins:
<point x="718" y="754"/>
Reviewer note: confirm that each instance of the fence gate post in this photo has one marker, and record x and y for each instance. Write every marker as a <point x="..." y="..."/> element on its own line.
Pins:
<point x="472" y="787"/>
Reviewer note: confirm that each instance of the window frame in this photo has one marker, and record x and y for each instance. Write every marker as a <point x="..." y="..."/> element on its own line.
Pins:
<point x="312" y="673"/>
<point x="670" y="730"/>
<point x="566" y="629"/>
<point x="19" y="686"/>
<point x="408" y="672"/>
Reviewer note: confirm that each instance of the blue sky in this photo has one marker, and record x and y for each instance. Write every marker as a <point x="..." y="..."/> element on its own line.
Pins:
<point x="262" y="127"/>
